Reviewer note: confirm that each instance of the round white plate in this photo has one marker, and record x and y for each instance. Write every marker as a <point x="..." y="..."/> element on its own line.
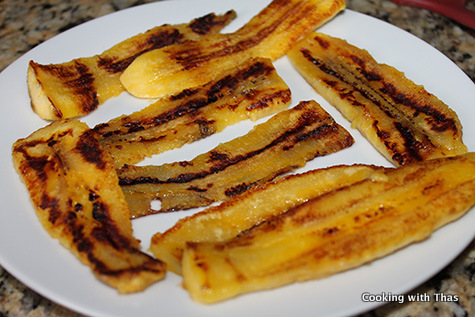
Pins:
<point x="27" y="251"/>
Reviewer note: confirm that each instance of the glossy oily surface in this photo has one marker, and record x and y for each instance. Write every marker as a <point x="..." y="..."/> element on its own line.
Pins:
<point x="42" y="264"/>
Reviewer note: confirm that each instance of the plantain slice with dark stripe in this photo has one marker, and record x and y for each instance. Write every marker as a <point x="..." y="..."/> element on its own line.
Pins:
<point x="252" y="89"/>
<point x="268" y="34"/>
<point x="74" y="189"/>
<point x="230" y="218"/>
<point x="286" y="141"/>
<point x="77" y="87"/>
<point x="401" y="119"/>
<point x="339" y="230"/>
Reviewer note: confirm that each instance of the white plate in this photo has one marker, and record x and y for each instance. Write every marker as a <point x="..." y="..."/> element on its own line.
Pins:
<point x="27" y="252"/>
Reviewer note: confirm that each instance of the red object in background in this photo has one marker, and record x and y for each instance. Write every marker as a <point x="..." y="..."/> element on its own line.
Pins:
<point x="454" y="9"/>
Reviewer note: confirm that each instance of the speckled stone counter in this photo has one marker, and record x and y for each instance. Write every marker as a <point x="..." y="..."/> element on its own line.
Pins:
<point x="25" y="24"/>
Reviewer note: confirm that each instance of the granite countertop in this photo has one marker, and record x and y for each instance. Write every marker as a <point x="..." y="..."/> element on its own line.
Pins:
<point x="25" y="24"/>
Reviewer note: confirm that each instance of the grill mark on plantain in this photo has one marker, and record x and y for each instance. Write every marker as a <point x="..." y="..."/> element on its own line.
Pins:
<point x="76" y="77"/>
<point x="73" y="219"/>
<point x="148" y="266"/>
<point x="179" y="111"/>
<point x="89" y="148"/>
<point x="411" y="145"/>
<point x="51" y="205"/>
<point x="202" y="99"/>
<point x="438" y="121"/>
<point x="115" y="64"/>
<point x="344" y="93"/>
<point x="57" y="112"/>
<point x="284" y="95"/>
<point x="162" y="38"/>
<point x="191" y="58"/>
<point x="109" y="235"/>
<point x="38" y="163"/>
<point x="206" y="127"/>
<point x="222" y="161"/>
<point x="184" y="93"/>
<point x="238" y="189"/>
<point x="203" y="25"/>
<point x="105" y="232"/>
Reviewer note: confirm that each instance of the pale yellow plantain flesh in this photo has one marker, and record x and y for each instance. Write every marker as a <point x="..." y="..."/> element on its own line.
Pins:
<point x="227" y="220"/>
<point x="400" y="118"/>
<point x="337" y="231"/>
<point x="285" y="142"/>
<point x="268" y="34"/>
<point x="250" y="90"/>
<point x="74" y="188"/>
<point x="77" y="87"/>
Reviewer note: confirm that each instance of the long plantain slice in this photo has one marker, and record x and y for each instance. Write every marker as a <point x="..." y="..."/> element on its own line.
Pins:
<point x="252" y="89"/>
<point x="227" y="220"/>
<point x="286" y="141"/>
<point x="400" y="118"/>
<point x="74" y="189"/>
<point x="79" y="86"/>
<point x="337" y="231"/>
<point x="268" y="34"/>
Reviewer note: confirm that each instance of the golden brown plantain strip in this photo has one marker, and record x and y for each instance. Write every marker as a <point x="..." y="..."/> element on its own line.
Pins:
<point x="334" y="232"/>
<point x="252" y="90"/>
<point x="268" y="34"/>
<point x="285" y="142"/>
<point x="74" y="189"/>
<point x="79" y="86"/>
<point x="401" y="119"/>
<point x="227" y="220"/>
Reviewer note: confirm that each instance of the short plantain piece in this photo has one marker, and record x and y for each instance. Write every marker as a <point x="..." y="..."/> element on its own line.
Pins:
<point x="401" y="119"/>
<point x="74" y="188"/>
<point x="269" y="34"/>
<point x="77" y="87"/>
<point x="333" y="232"/>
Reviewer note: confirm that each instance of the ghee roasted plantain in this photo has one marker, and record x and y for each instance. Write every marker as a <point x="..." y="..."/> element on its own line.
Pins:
<point x="77" y="87"/>
<point x="229" y="219"/>
<point x="250" y="90"/>
<point x="399" y="118"/>
<point x="283" y="143"/>
<point x="269" y="34"/>
<point x="74" y="189"/>
<point x="337" y="231"/>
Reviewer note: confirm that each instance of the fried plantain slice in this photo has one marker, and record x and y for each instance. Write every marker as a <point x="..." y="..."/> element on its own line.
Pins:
<point x="77" y="87"/>
<point x="401" y="119"/>
<point x="269" y="34"/>
<point x="337" y="231"/>
<point x="74" y="189"/>
<point x="227" y="220"/>
<point x="285" y="142"/>
<point x="250" y="90"/>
